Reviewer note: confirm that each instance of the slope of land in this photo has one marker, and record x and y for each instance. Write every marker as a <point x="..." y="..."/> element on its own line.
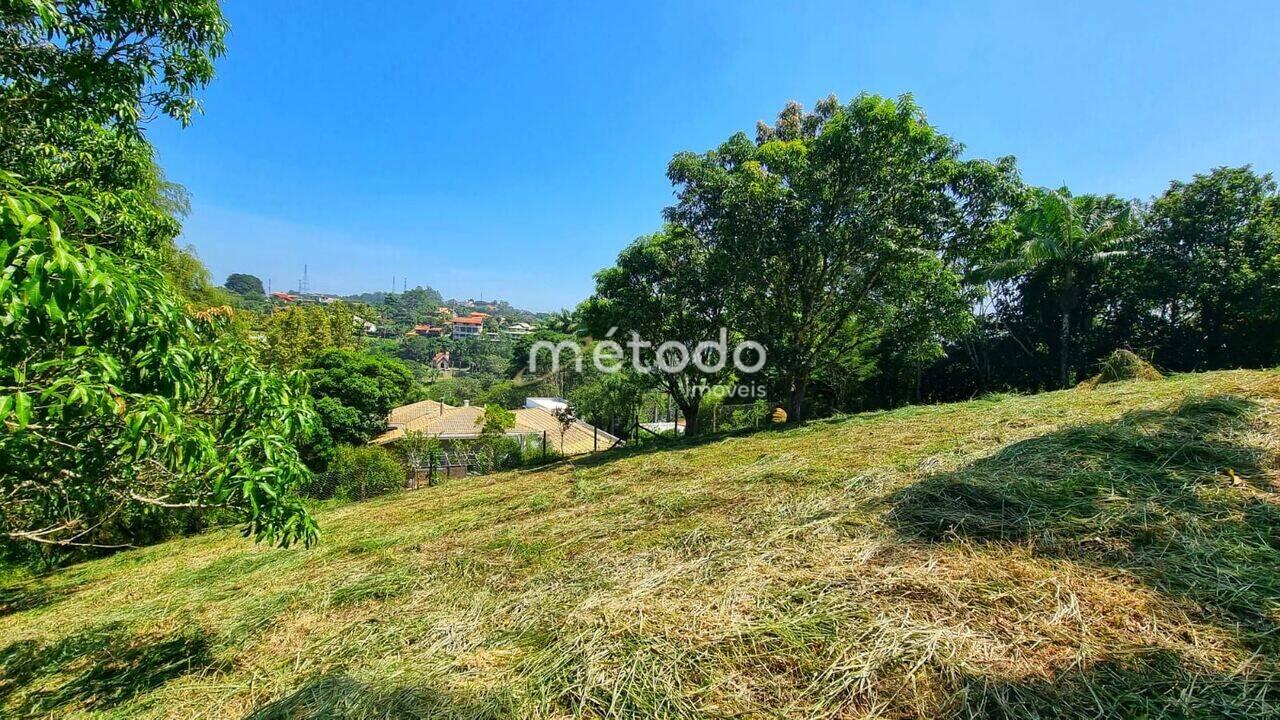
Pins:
<point x="1104" y="552"/>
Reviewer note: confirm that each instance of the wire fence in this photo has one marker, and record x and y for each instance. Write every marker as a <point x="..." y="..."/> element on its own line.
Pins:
<point x="657" y="420"/>
<point x="726" y="417"/>
<point x="448" y="459"/>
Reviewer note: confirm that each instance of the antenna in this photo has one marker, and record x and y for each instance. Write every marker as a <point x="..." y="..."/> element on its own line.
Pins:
<point x="304" y="286"/>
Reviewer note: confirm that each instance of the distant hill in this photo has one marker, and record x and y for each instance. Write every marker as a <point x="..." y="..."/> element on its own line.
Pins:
<point x="420" y="298"/>
<point x="1106" y="552"/>
<point x="496" y="308"/>
<point x="421" y="304"/>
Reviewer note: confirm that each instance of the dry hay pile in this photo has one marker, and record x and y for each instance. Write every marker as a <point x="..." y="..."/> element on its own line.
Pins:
<point x="1120" y="366"/>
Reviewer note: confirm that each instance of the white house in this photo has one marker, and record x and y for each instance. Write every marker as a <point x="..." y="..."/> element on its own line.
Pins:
<point x="466" y="326"/>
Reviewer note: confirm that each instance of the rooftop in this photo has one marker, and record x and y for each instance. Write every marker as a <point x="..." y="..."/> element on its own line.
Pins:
<point x="461" y="423"/>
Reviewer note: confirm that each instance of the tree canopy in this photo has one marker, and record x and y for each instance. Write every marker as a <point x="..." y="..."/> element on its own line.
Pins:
<point x="114" y="396"/>
<point x="109" y="62"/>
<point x="243" y="284"/>
<point x="126" y="387"/>
<point x="832" y="220"/>
<point x="1213" y="269"/>
<point x="1065" y="239"/>
<point x="666" y="287"/>
<point x="291" y="335"/>
<point x="354" y="392"/>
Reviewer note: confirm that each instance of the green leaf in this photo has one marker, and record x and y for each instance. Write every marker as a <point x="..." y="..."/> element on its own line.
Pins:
<point x="22" y="409"/>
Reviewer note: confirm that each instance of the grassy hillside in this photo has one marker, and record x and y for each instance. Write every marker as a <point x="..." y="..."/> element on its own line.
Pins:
<point x="1100" y="552"/>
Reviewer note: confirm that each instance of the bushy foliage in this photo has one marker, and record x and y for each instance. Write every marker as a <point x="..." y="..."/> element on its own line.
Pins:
<point x="107" y="62"/>
<point x="671" y="286"/>
<point x="79" y="78"/>
<point x="362" y="472"/>
<point x="421" y="349"/>
<point x="353" y="393"/>
<point x="455" y="391"/>
<point x="114" y="396"/>
<point x="1193" y="287"/>
<point x="290" y="335"/>
<point x="495" y="420"/>
<point x="404" y="310"/>
<point x="610" y="401"/>
<point x="244" y="284"/>
<point x="1206" y="286"/>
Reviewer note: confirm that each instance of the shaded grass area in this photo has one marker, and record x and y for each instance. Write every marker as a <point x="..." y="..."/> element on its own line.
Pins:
<point x="1105" y="553"/>
<point x="338" y="695"/>
<point x="1176" y="496"/>
<point x="98" y="669"/>
<point x="1181" y="499"/>
<point x="1155" y="684"/>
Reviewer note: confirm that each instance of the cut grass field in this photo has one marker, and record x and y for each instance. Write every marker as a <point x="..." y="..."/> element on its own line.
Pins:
<point x="1107" y="552"/>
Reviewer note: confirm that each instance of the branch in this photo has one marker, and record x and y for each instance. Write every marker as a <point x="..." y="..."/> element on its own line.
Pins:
<point x="162" y="502"/>
<point x="35" y="537"/>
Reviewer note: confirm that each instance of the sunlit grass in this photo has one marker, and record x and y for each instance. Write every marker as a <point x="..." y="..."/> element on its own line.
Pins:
<point x="1095" y="552"/>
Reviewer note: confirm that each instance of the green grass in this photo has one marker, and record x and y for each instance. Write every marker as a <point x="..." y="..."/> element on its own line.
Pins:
<point x="1112" y="552"/>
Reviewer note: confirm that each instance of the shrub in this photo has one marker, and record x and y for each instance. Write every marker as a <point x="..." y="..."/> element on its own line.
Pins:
<point x="362" y="472"/>
<point x="497" y="452"/>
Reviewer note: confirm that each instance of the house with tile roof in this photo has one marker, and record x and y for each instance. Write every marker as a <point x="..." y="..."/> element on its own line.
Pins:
<point x="468" y="326"/>
<point x="447" y="422"/>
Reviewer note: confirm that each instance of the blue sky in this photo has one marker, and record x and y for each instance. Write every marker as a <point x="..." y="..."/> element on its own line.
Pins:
<point x="511" y="150"/>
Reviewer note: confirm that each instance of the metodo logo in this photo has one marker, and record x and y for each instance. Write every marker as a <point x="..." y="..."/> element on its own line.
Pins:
<point x="646" y="356"/>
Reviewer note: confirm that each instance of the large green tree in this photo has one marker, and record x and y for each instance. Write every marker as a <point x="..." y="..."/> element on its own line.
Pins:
<point x="830" y="218"/>
<point x="77" y="79"/>
<point x="563" y="321"/>
<point x="117" y="392"/>
<point x="114" y="397"/>
<point x="406" y="309"/>
<point x="110" y="62"/>
<point x="287" y="337"/>
<point x="667" y="287"/>
<point x="610" y="400"/>
<point x="1211" y="270"/>
<point x="246" y="285"/>
<point x="354" y="391"/>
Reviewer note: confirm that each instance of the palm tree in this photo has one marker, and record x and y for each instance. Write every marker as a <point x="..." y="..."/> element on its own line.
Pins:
<point x="562" y="321"/>
<point x="1065" y="236"/>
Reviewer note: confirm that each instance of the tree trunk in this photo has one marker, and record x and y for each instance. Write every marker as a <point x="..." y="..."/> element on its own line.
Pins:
<point x="919" y="374"/>
<point x="691" y="425"/>
<point x="1067" y="305"/>
<point x="795" y="403"/>
<point x="1064" y="339"/>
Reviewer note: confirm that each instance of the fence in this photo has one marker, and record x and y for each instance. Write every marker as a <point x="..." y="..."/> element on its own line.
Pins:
<point x="737" y="416"/>
<point x="459" y="456"/>
<point x="657" y="420"/>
